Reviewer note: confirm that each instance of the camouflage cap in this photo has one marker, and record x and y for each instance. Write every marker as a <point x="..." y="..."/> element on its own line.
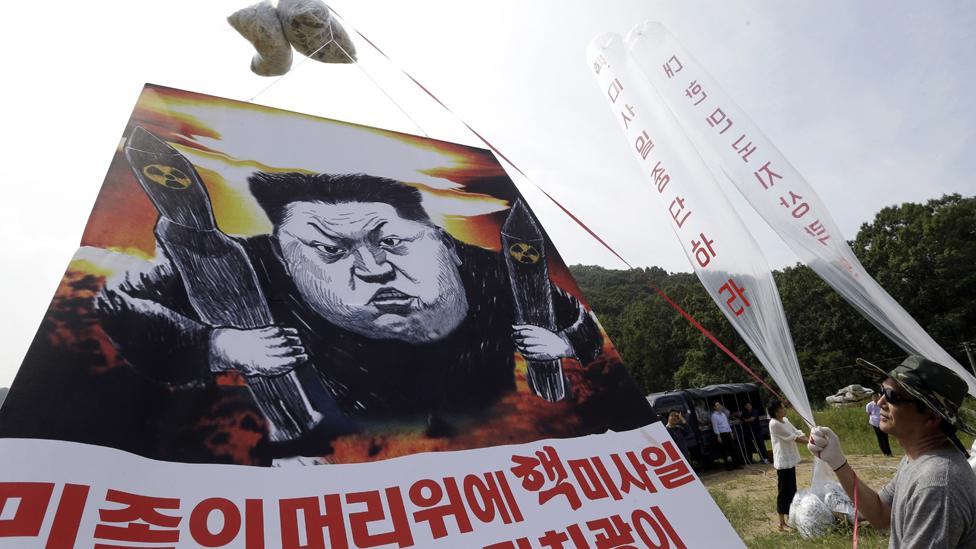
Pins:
<point x="936" y="386"/>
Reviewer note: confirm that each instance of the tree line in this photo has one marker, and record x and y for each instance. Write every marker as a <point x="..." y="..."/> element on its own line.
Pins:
<point x="924" y="255"/>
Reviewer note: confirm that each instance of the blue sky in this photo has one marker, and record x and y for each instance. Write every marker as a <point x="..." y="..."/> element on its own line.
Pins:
<point x="871" y="101"/>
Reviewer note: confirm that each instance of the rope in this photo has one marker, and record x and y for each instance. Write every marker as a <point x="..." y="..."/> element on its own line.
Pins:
<point x="711" y="337"/>
<point x="856" y="518"/>
<point x="565" y="210"/>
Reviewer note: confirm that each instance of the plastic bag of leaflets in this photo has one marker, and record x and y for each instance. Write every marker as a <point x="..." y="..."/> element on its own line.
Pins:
<point x="813" y="512"/>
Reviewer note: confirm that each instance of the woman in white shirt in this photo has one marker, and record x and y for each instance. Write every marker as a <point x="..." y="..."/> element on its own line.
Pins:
<point x="785" y="457"/>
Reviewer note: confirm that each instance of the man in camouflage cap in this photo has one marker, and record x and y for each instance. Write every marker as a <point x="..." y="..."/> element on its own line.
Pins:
<point x="931" y="501"/>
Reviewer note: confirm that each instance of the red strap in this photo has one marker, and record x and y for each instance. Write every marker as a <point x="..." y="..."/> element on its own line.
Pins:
<point x="713" y="339"/>
<point x="568" y="213"/>
<point x="718" y="344"/>
<point x="856" y="518"/>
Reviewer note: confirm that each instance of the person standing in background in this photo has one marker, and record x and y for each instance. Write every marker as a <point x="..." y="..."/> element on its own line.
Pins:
<point x="874" y="419"/>
<point x="723" y="434"/>
<point x="678" y="429"/>
<point x="752" y="429"/>
<point x="785" y="457"/>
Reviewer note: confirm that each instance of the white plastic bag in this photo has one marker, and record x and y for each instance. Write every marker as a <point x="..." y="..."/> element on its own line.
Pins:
<point x="809" y="515"/>
<point x="312" y="30"/>
<point x="260" y="25"/>
<point x="839" y="503"/>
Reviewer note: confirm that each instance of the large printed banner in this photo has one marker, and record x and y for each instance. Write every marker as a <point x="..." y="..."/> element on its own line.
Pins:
<point x="262" y="287"/>
<point x="778" y="192"/>
<point x="719" y="247"/>
<point x="627" y="489"/>
<point x="378" y="316"/>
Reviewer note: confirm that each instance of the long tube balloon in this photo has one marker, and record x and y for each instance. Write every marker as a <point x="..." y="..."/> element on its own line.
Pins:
<point x="773" y="187"/>
<point x="720" y="249"/>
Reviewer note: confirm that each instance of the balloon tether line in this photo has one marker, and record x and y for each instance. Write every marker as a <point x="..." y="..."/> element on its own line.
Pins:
<point x="501" y="155"/>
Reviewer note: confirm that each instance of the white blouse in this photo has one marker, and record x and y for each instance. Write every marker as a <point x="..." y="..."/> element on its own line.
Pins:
<point x="783" y="434"/>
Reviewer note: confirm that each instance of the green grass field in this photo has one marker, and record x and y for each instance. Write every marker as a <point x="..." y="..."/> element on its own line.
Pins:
<point x="748" y="497"/>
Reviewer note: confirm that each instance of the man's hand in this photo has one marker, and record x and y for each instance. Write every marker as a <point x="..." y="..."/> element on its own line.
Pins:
<point x="537" y="343"/>
<point x="269" y="351"/>
<point x="825" y="445"/>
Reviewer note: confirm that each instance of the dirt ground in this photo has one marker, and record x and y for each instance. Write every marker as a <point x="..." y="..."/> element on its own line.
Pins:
<point x="750" y="492"/>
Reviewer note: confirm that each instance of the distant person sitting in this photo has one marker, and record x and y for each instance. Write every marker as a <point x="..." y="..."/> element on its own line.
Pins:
<point x="785" y="457"/>
<point x="678" y="429"/>
<point x="723" y="435"/>
<point x="874" y="419"/>
<point x="752" y="429"/>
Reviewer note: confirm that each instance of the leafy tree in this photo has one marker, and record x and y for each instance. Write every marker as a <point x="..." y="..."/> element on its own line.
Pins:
<point x="923" y="254"/>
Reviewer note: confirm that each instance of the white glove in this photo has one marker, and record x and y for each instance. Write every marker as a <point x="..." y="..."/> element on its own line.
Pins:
<point x="825" y="445"/>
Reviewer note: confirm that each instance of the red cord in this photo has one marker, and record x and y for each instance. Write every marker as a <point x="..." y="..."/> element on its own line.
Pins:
<point x="854" y="537"/>
<point x="568" y="213"/>
<point x="713" y="339"/>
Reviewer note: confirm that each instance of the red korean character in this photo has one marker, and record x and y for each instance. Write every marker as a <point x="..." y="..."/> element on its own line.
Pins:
<point x="612" y="533"/>
<point x="138" y="508"/>
<point x="613" y="92"/>
<point x="735" y="292"/>
<point x="67" y="519"/>
<point x="627" y="120"/>
<point x="489" y="495"/>
<point x="254" y="523"/>
<point x="554" y="539"/>
<point x="230" y="521"/>
<point x="639" y="478"/>
<point x="26" y="517"/>
<point x="521" y="543"/>
<point x="533" y="479"/>
<point x="643" y="144"/>
<point x="769" y="176"/>
<point x="661" y="178"/>
<point x="315" y="521"/>
<point x="671" y="474"/>
<point x="428" y="493"/>
<point x="694" y="89"/>
<point x="816" y="229"/>
<point x="798" y="211"/>
<point x="599" y="64"/>
<point x="672" y="66"/>
<point x="703" y="250"/>
<point x="32" y="501"/>
<point x="745" y="150"/>
<point x="593" y="479"/>
<point x="359" y="521"/>
<point x="664" y="535"/>
<point x="716" y="118"/>
<point x="676" y="212"/>
<point x="847" y="266"/>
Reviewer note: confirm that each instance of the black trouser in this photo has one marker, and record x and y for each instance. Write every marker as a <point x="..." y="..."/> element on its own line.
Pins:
<point x="754" y="438"/>
<point x="882" y="440"/>
<point x="728" y="449"/>
<point x="785" y="489"/>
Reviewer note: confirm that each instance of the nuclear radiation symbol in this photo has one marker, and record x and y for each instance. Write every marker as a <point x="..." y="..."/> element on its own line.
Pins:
<point x="524" y="253"/>
<point x="167" y="176"/>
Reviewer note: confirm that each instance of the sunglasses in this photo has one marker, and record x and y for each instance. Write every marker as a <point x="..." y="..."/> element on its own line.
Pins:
<point x="894" y="397"/>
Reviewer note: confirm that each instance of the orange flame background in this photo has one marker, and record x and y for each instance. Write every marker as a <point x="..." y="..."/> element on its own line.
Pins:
<point x="467" y="187"/>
